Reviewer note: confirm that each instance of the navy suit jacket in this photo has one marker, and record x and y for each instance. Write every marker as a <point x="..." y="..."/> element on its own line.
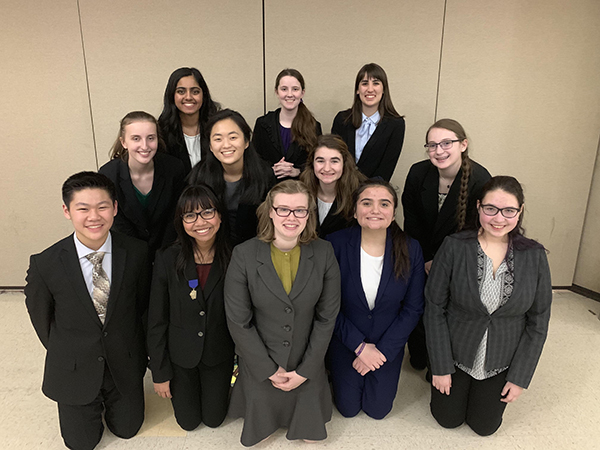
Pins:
<point x="78" y="344"/>
<point x="398" y="305"/>
<point x="381" y="153"/>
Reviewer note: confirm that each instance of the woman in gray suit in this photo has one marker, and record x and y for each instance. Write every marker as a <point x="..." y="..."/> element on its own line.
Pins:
<point x="487" y="309"/>
<point x="282" y="296"/>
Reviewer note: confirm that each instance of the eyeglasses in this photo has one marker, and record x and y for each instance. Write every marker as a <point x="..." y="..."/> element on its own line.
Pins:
<point x="491" y="210"/>
<point x="446" y="144"/>
<point x="206" y="214"/>
<point x="285" y="212"/>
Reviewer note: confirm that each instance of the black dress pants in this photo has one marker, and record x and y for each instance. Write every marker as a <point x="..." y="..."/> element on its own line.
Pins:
<point x="81" y="425"/>
<point x="476" y="402"/>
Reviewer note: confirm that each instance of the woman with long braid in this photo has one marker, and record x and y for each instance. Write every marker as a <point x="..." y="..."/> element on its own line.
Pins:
<point x="440" y="195"/>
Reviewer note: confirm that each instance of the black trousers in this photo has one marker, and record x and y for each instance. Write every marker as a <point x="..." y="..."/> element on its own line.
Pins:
<point x="201" y="394"/>
<point x="476" y="402"/>
<point x="417" y="347"/>
<point x="81" y="425"/>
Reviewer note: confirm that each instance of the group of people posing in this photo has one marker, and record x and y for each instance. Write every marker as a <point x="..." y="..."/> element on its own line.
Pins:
<point x="281" y="246"/>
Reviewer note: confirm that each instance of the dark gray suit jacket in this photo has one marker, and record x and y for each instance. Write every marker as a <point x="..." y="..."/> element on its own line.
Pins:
<point x="456" y="319"/>
<point x="271" y="328"/>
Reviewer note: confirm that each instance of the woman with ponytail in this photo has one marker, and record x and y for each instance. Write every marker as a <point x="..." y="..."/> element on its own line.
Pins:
<point x="284" y="136"/>
<point x="147" y="180"/>
<point x="439" y="198"/>
<point x="382" y="300"/>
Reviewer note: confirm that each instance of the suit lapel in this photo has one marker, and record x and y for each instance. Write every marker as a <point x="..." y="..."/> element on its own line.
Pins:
<point x="305" y="270"/>
<point x="268" y="274"/>
<point x="353" y="261"/>
<point x="214" y="276"/>
<point x="158" y="188"/>
<point x="448" y="211"/>
<point x="372" y="146"/>
<point x="429" y="194"/>
<point x="70" y="262"/>
<point x="132" y="207"/>
<point x="119" y="262"/>
<point x="274" y="136"/>
<point x="388" y="269"/>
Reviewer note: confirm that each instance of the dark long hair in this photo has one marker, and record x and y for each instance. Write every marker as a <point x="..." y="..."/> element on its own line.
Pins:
<point x="386" y="107"/>
<point x="256" y="174"/>
<point x="510" y="185"/>
<point x="304" y="125"/>
<point x="465" y="166"/>
<point x="192" y="198"/>
<point x="169" y="121"/>
<point x="347" y="183"/>
<point x="400" y="255"/>
<point x="117" y="150"/>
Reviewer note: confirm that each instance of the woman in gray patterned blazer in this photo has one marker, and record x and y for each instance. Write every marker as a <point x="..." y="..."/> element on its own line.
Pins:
<point x="487" y="310"/>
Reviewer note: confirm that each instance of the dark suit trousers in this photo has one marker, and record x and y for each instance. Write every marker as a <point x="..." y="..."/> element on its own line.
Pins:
<point x="476" y="402"/>
<point x="201" y="394"/>
<point x="81" y="425"/>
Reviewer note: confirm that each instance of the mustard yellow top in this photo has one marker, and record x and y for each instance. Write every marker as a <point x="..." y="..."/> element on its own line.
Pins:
<point x="286" y="265"/>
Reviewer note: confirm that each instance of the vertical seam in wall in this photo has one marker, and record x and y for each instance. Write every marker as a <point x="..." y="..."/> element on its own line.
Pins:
<point x="264" y="60"/>
<point x="87" y="85"/>
<point x="437" y="92"/>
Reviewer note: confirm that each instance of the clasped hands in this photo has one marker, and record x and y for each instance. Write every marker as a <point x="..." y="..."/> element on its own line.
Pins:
<point x="509" y="393"/>
<point x="286" y="381"/>
<point x="369" y="359"/>
<point x="283" y="169"/>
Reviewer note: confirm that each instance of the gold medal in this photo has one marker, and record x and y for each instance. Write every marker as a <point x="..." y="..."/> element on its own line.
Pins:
<point x="193" y="294"/>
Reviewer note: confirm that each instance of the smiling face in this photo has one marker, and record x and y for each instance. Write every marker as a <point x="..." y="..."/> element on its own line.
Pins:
<point x="375" y="208"/>
<point x="92" y="213"/>
<point x="288" y="229"/>
<point x="140" y="139"/>
<point x="204" y="231"/>
<point x="498" y="226"/>
<point x="188" y="95"/>
<point x="328" y="165"/>
<point x="290" y="92"/>
<point x="370" y="92"/>
<point x="227" y="142"/>
<point x="446" y="159"/>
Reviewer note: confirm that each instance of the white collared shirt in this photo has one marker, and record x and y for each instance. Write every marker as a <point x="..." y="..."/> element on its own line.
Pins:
<point x="87" y="267"/>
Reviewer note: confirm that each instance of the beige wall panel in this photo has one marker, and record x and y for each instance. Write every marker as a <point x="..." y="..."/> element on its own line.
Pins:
<point x="45" y="131"/>
<point x="522" y="78"/>
<point x="132" y="48"/>
<point x="328" y="42"/>
<point x="587" y="271"/>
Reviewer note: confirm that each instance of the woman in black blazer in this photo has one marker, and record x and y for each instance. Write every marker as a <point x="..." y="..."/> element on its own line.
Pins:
<point x="439" y="197"/>
<point x="187" y="105"/>
<point x="148" y="182"/>
<point x="283" y="137"/>
<point x="191" y="351"/>
<point x="332" y="177"/>
<point x="372" y="128"/>
<point x="487" y="309"/>
<point x="235" y="172"/>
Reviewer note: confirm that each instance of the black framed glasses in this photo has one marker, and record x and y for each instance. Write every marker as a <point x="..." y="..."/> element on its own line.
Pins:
<point x="446" y="144"/>
<point x="508" y="212"/>
<point x="285" y="212"/>
<point x="206" y="214"/>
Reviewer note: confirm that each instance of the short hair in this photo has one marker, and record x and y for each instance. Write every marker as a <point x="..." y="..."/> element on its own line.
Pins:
<point x="386" y="107"/>
<point x="117" y="150"/>
<point x="266" y="229"/>
<point x="347" y="183"/>
<point x="87" y="180"/>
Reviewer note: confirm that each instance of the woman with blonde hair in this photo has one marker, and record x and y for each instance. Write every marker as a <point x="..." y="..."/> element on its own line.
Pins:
<point x="282" y="296"/>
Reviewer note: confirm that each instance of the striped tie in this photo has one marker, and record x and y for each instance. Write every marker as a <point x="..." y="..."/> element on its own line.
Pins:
<point x="101" y="284"/>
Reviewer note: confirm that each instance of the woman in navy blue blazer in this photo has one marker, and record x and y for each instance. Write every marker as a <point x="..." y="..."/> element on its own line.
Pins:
<point x="382" y="300"/>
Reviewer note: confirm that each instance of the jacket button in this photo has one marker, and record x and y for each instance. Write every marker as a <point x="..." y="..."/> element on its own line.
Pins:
<point x="287" y="328"/>
<point x="200" y="333"/>
<point x="288" y="310"/>
<point x="201" y="313"/>
<point x="286" y="343"/>
<point x="369" y="316"/>
<point x="100" y="358"/>
<point x="105" y="333"/>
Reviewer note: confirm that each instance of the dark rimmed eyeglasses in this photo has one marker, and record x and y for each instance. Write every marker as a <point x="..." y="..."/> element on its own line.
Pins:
<point x="491" y="210"/>
<point x="206" y="214"/>
<point x="446" y="144"/>
<point x="285" y="212"/>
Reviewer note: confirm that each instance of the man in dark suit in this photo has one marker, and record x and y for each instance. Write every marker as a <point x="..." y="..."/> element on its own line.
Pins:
<point x="86" y="295"/>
